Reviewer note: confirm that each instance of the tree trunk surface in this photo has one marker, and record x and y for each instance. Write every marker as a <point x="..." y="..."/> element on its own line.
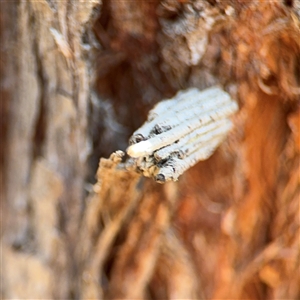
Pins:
<point x="77" y="78"/>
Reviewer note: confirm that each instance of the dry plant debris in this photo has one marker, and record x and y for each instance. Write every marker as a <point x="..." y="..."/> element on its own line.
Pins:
<point x="181" y="131"/>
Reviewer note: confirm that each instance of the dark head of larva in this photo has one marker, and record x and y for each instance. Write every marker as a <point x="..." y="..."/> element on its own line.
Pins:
<point x="136" y="139"/>
<point x="158" y="129"/>
<point x="160" y="178"/>
<point x="180" y="154"/>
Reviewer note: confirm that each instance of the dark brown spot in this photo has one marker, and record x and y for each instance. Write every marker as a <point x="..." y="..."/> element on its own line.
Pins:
<point x="136" y="139"/>
<point x="160" y="178"/>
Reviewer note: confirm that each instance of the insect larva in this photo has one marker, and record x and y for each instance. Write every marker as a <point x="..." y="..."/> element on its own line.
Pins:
<point x="180" y="132"/>
<point x="183" y="106"/>
<point x="193" y="135"/>
<point x="166" y="138"/>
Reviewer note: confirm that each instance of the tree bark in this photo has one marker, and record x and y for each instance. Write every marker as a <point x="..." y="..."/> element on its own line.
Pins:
<point x="77" y="78"/>
<point x="47" y="143"/>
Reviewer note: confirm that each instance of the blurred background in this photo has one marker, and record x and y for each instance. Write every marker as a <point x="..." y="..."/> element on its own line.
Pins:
<point x="77" y="78"/>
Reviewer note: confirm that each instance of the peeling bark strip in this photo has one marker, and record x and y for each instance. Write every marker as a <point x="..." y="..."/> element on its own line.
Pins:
<point x="180" y="132"/>
<point x="47" y="143"/>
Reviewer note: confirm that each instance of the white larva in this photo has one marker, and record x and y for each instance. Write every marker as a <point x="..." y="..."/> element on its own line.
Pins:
<point x="182" y="128"/>
<point x="185" y="105"/>
<point x="181" y="131"/>
<point x="198" y="136"/>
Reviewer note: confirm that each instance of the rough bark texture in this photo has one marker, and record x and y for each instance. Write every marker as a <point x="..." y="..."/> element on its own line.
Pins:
<point x="47" y="79"/>
<point x="77" y="78"/>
